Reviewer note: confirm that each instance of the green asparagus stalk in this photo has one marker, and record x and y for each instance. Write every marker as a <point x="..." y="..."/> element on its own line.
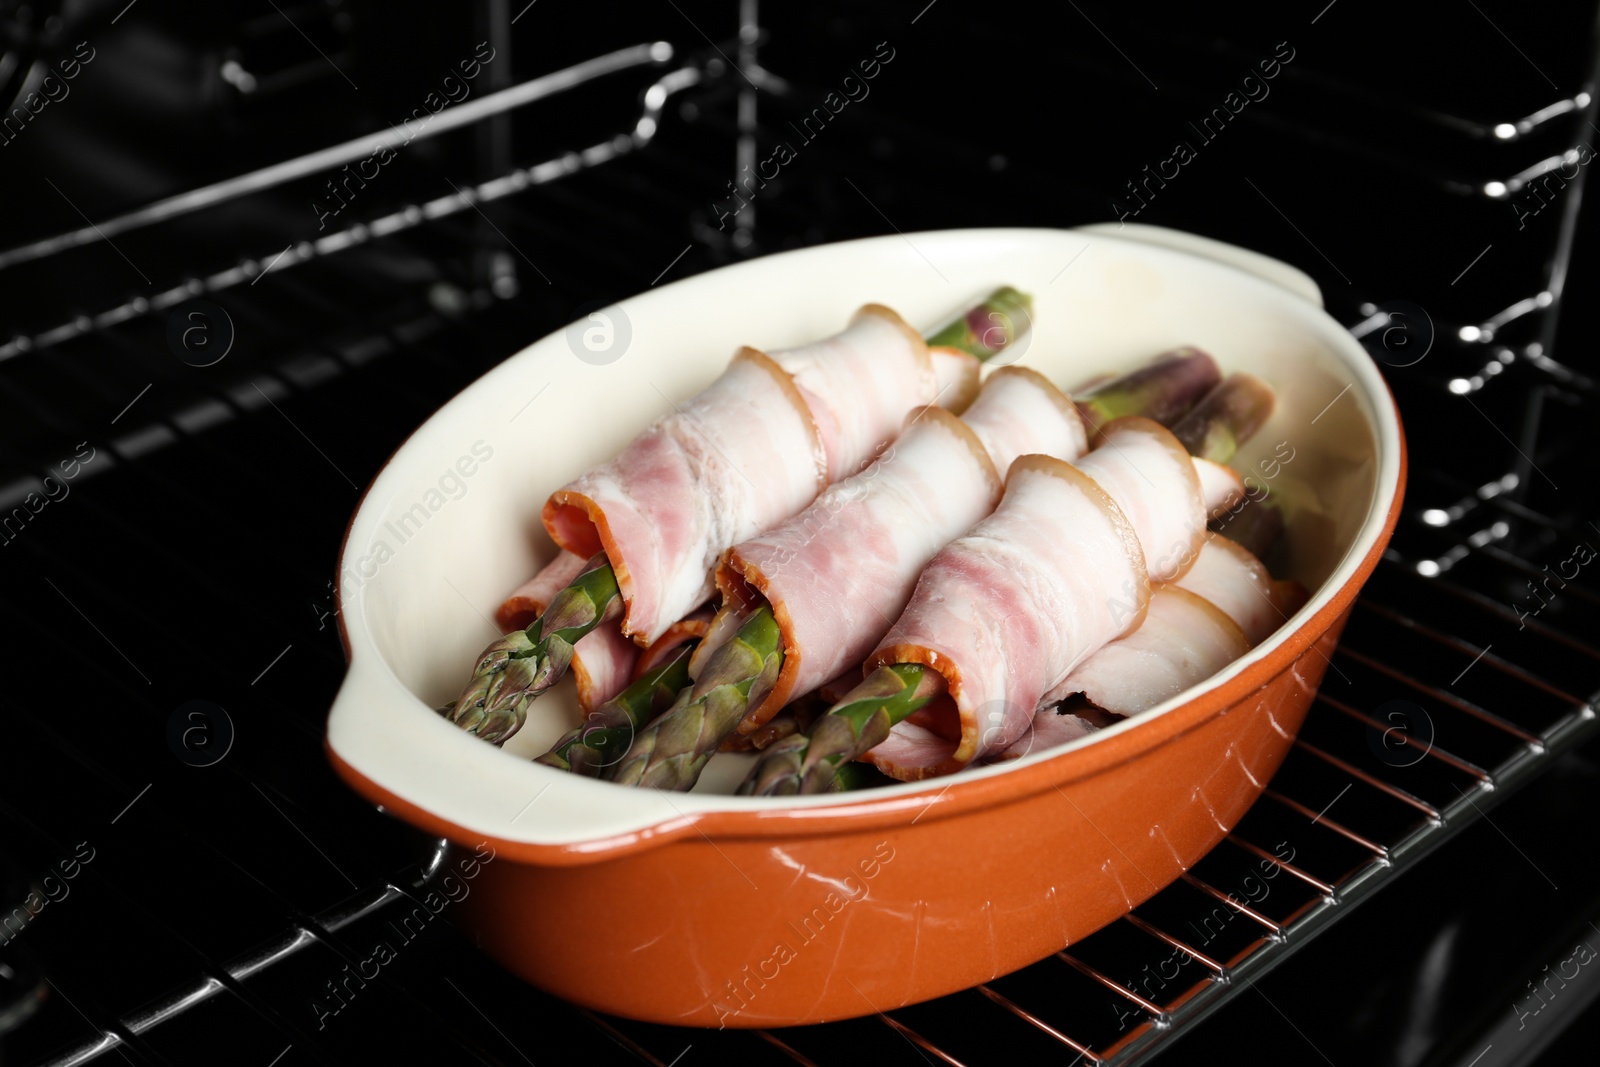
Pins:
<point x="1226" y="417"/>
<point x="517" y="669"/>
<point x="805" y="763"/>
<point x="810" y="763"/>
<point x="1163" y="390"/>
<point x="841" y="778"/>
<point x="793" y="718"/>
<point x="1229" y="414"/>
<point x="985" y="329"/>
<point x="670" y="752"/>
<point x="607" y="732"/>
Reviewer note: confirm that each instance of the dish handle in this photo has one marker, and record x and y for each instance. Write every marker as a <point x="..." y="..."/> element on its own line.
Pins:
<point x="1276" y="271"/>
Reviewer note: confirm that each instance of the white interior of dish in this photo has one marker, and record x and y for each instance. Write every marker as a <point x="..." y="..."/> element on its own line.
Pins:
<point x="434" y="548"/>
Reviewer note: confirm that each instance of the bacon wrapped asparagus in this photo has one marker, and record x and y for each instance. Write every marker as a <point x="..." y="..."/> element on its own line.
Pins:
<point x="752" y="449"/>
<point x="603" y="662"/>
<point x="831" y="577"/>
<point x="1008" y="610"/>
<point x="836" y="575"/>
<point x="1224" y="605"/>
<point x="687" y="631"/>
<point x="607" y="731"/>
<point x="1004" y="614"/>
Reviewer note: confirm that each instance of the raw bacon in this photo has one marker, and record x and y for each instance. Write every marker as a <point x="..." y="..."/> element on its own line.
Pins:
<point x="741" y="456"/>
<point x="838" y="574"/>
<point x="1184" y="639"/>
<point x="747" y="452"/>
<point x="692" y="628"/>
<point x="1235" y="581"/>
<point x="1221" y="486"/>
<point x="958" y="375"/>
<point x="860" y="383"/>
<point x="1020" y="412"/>
<point x="1147" y="472"/>
<point x="1059" y="570"/>
<point x="1231" y="604"/>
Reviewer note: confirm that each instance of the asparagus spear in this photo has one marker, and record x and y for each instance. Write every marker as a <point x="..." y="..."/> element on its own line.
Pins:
<point x="1163" y="390"/>
<point x="855" y="724"/>
<point x="1227" y="417"/>
<point x="987" y="328"/>
<point x="793" y="718"/>
<point x="607" y="732"/>
<point x="517" y="669"/>
<point x="670" y="753"/>
<point x="1186" y="373"/>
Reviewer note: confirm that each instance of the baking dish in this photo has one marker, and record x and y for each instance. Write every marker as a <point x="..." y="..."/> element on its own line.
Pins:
<point x="714" y="910"/>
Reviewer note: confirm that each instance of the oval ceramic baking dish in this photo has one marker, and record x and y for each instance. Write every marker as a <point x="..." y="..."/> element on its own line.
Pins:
<point x="708" y="909"/>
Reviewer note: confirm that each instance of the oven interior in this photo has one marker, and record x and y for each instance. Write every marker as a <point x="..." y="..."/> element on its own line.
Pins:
<point x="1426" y="167"/>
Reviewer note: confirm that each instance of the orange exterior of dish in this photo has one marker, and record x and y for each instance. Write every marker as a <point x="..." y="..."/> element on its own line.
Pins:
<point x="792" y="916"/>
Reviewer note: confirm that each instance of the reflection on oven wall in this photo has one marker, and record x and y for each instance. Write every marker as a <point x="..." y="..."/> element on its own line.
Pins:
<point x="1427" y="165"/>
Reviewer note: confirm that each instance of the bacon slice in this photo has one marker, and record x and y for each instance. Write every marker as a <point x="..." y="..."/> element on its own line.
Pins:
<point x="958" y="376"/>
<point x="1235" y="581"/>
<point x="860" y="383"/>
<point x="1048" y="729"/>
<point x="1007" y="610"/>
<point x="1221" y="486"/>
<point x="738" y="458"/>
<point x="528" y="601"/>
<point x="1148" y="473"/>
<point x="1223" y="605"/>
<point x="1060" y="569"/>
<point x="838" y="572"/>
<point x="1184" y="639"/>
<point x="692" y="628"/>
<point x="1020" y="411"/>
<point x="1227" y="578"/>
<point x="603" y="661"/>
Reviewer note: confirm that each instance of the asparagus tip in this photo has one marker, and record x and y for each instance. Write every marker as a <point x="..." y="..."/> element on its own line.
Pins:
<point x="1226" y="417"/>
<point x="994" y="327"/>
<point x="1163" y="389"/>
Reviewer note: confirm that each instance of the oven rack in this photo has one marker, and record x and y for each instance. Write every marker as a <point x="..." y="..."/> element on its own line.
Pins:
<point x="251" y="269"/>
